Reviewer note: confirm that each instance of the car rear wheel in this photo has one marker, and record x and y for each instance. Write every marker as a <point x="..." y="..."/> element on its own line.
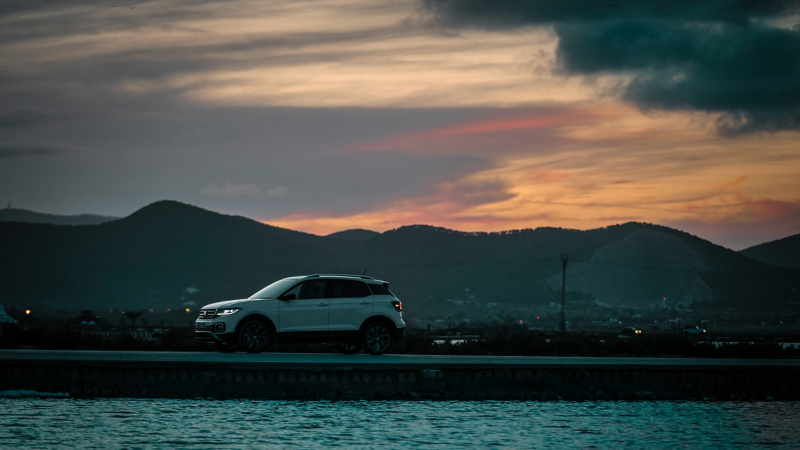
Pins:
<point x="377" y="338"/>
<point x="348" y="349"/>
<point x="225" y="347"/>
<point x="254" y="336"/>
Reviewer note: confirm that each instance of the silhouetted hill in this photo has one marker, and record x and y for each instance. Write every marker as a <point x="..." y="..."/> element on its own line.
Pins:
<point x="150" y="258"/>
<point x="358" y="235"/>
<point x="635" y="264"/>
<point x="782" y="252"/>
<point x="23" y="215"/>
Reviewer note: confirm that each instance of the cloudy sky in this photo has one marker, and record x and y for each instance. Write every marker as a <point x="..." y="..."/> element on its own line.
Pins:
<point x="325" y="115"/>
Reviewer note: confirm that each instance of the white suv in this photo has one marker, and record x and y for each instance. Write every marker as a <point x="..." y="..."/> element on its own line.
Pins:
<point x="351" y="311"/>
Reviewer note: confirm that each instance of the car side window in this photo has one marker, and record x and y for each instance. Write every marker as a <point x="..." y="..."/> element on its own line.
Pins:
<point x="379" y="289"/>
<point x="310" y="290"/>
<point x="348" y="289"/>
<point x="335" y="290"/>
<point x="295" y="290"/>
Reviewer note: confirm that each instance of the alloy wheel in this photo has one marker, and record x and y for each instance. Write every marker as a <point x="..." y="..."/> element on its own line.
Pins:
<point x="254" y="337"/>
<point x="377" y="339"/>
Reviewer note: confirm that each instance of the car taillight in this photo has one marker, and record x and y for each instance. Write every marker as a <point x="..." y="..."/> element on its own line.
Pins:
<point x="397" y="305"/>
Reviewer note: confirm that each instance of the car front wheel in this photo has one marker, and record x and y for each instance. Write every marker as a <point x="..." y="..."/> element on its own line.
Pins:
<point x="377" y="339"/>
<point x="254" y="337"/>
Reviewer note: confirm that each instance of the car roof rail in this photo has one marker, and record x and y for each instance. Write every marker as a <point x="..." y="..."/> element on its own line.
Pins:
<point x="365" y="277"/>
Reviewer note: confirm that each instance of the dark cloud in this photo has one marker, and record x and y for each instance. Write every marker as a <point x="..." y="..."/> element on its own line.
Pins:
<point x="713" y="56"/>
<point x="504" y="13"/>
<point x="8" y="151"/>
<point x="15" y="118"/>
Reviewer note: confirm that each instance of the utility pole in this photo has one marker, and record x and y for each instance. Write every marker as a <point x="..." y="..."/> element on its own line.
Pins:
<point x="562" y="326"/>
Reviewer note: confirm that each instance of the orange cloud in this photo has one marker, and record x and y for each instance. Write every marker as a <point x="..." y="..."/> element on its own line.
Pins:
<point x="747" y="224"/>
<point x="591" y="168"/>
<point x="546" y="176"/>
<point x="774" y="211"/>
<point x="733" y="184"/>
<point x="447" y="203"/>
<point x="506" y="125"/>
<point x="487" y="135"/>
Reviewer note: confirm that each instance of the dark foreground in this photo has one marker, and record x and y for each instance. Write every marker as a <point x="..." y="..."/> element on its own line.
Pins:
<point x="161" y="423"/>
<point x="505" y="341"/>
<point x="339" y="377"/>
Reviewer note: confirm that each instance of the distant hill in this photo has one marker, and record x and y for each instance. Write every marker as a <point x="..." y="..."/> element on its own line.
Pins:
<point x="358" y="235"/>
<point x="150" y="258"/>
<point x="23" y="215"/>
<point x="783" y="252"/>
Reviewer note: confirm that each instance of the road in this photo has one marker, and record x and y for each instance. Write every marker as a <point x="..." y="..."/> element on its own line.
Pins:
<point x="328" y="360"/>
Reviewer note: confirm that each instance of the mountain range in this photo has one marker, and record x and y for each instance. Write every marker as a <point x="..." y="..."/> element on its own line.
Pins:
<point x="169" y="253"/>
<point x="23" y="215"/>
<point x="782" y="252"/>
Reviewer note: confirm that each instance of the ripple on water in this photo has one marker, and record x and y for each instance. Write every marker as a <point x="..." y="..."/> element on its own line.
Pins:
<point x="137" y="423"/>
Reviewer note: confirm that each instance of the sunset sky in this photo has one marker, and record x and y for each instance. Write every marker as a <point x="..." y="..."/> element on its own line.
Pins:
<point x="473" y="115"/>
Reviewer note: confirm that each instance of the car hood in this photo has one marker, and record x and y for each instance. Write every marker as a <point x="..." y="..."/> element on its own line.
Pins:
<point x="226" y="303"/>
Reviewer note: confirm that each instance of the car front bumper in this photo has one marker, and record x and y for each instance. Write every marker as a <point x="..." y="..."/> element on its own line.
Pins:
<point x="214" y="330"/>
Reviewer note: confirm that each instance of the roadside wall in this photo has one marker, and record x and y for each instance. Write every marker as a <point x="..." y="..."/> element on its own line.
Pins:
<point x="337" y="382"/>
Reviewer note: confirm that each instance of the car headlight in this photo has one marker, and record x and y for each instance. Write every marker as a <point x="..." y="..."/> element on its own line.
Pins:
<point x="228" y="312"/>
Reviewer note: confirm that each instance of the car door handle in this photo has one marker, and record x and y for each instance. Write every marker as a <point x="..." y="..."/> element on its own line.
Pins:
<point x="322" y="304"/>
<point x="365" y="303"/>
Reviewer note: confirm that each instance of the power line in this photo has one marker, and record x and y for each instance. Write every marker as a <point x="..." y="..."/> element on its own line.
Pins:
<point x="564" y="259"/>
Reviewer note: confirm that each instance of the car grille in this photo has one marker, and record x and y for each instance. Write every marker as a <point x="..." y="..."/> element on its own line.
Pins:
<point x="207" y="313"/>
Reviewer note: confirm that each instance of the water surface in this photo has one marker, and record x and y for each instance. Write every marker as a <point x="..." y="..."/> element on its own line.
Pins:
<point x="162" y="423"/>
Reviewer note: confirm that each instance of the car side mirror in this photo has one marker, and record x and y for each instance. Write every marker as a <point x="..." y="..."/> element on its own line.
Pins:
<point x="287" y="297"/>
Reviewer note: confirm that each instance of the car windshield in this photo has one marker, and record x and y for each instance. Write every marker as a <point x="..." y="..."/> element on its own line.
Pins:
<point x="275" y="289"/>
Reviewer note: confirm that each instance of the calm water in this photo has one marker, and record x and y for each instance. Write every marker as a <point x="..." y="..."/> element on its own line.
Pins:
<point x="52" y="423"/>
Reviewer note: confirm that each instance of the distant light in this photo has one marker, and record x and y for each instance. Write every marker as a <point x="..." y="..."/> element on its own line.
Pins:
<point x="168" y="309"/>
<point x="537" y="317"/>
<point x="27" y="311"/>
<point x="187" y="310"/>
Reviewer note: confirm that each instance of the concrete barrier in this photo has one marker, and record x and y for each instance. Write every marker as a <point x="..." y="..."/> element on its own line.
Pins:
<point x="160" y="377"/>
